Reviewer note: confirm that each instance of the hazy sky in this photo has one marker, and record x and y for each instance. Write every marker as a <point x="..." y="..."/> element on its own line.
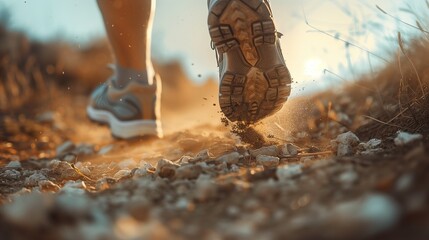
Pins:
<point x="180" y="31"/>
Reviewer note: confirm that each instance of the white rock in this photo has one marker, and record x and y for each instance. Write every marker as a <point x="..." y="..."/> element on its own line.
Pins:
<point x="146" y="165"/>
<point x="34" y="179"/>
<point x="82" y="168"/>
<point x="370" y="145"/>
<point x="145" y="169"/>
<point x="141" y="172"/>
<point x="230" y="158"/>
<point x="11" y="174"/>
<point x="344" y="144"/>
<point x="289" y="150"/>
<point x="74" y="187"/>
<point x="190" y="171"/>
<point x="404" y="138"/>
<point x="185" y="160"/>
<point x="14" y="164"/>
<point x="267" y="151"/>
<point x="348" y="138"/>
<point x="285" y="172"/>
<point x="268" y="161"/>
<point x="164" y="162"/>
<point x="63" y="169"/>
<point x="122" y="173"/>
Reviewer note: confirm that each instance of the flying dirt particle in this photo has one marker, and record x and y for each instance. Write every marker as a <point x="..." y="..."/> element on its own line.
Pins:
<point x="248" y="134"/>
<point x="199" y="75"/>
<point x="214" y="104"/>
<point x="224" y="121"/>
<point x="205" y="98"/>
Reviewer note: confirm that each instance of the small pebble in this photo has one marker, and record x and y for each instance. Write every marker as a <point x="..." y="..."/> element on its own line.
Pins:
<point x="268" y="161"/>
<point x="48" y="186"/>
<point x="166" y="168"/>
<point x="34" y="179"/>
<point x="348" y="138"/>
<point x="123" y="173"/>
<point x="203" y="155"/>
<point x="14" y="164"/>
<point x="230" y="158"/>
<point x="188" y="172"/>
<point x="404" y="138"/>
<point x="267" y="151"/>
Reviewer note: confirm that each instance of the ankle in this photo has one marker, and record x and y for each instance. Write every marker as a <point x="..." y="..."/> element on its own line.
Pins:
<point x="123" y="76"/>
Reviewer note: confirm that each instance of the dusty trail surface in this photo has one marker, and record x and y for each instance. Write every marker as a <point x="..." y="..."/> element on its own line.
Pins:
<point x="330" y="166"/>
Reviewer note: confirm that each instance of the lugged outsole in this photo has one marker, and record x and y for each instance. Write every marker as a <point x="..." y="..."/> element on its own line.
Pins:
<point x="125" y="129"/>
<point x="255" y="82"/>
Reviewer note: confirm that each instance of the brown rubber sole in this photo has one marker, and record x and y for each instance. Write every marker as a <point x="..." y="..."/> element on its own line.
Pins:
<point x="254" y="79"/>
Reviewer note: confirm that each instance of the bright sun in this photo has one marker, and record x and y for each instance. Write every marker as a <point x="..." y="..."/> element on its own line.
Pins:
<point x="313" y="68"/>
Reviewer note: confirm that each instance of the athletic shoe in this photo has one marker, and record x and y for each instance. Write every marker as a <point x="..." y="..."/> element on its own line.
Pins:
<point x="131" y="111"/>
<point x="254" y="79"/>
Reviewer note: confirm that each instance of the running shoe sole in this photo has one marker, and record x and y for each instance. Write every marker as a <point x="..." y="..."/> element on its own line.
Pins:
<point x="125" y="129"/>
<point x="254" y="81"/>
